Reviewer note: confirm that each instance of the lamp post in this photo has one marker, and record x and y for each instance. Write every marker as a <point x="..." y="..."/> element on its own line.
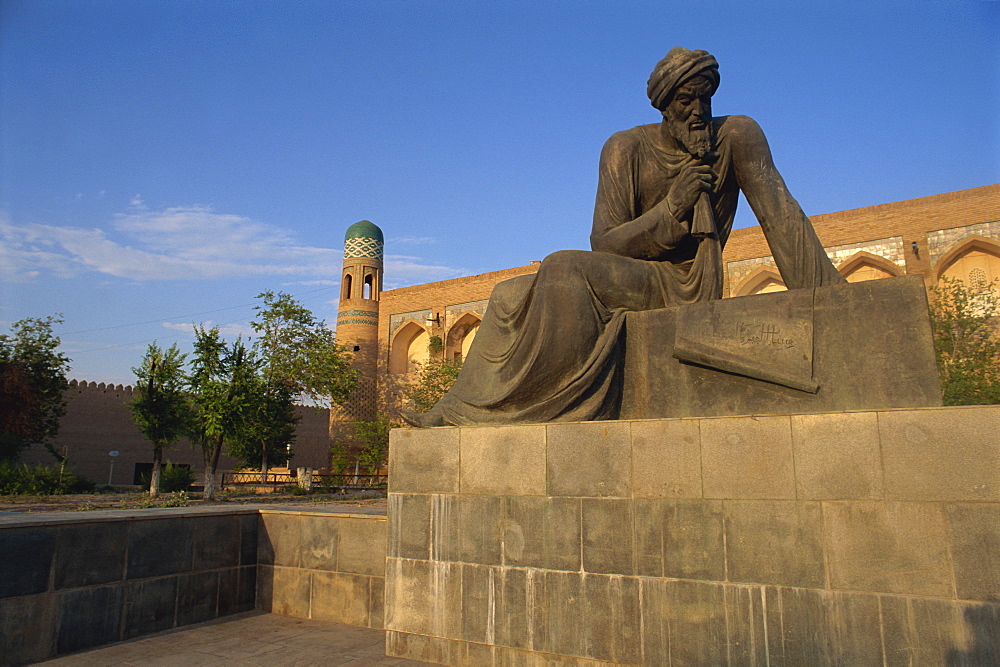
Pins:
<point x="113" y="453"/>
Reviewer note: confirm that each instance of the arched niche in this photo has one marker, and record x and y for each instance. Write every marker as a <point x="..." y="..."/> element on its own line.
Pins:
<point x="761" y="280"/>
<point x="348" y="279"/>
<point x="863" y="266"/>
<point x="368" y="290"/>
<point x="461" y="335"/>
<point x="974" y="260"/>
<point x="408" y="348"/>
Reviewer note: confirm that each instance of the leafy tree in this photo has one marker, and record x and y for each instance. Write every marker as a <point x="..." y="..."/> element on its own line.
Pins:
<point x="32" y="386"/>
<point x="268" y="426"/>
<point x="299" y="350"/>
<point x="433" y="380"/>
<point x="161" y="409"/>
<point x="374" y="439"/>
<point x="967" y="342"/>
<point x="299" y="357"/>
<point x="221" y="387"/>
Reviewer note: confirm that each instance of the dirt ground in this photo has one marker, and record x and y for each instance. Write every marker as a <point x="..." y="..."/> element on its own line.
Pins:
<point x="136" y="500"/>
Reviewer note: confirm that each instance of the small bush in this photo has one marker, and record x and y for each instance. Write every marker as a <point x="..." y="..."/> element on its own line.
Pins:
<point x="177" y="499"/>
<point x="21" y="479"/>
<point x="172" y="478"/>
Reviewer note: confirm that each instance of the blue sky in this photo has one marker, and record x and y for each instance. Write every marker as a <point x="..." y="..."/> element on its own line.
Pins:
<point x="163" y="161"/>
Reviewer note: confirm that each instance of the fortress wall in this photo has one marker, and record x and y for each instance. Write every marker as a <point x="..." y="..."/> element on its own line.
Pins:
<point x="98" y="421"/>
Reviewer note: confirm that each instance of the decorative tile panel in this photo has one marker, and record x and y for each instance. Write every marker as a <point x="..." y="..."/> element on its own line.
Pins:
<point x="941" y="241"/>
<point x="363" y="247"/>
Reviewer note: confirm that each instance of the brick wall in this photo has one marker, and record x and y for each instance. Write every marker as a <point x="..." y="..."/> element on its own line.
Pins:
<point x="98" y="421"/>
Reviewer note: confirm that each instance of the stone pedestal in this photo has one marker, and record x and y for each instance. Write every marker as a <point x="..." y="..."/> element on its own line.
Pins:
<point x="856" y="538"/>
<point x="848" y="347"/>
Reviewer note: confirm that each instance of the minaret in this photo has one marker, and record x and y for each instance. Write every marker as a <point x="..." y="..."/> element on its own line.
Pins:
<point x="357" y="322"/>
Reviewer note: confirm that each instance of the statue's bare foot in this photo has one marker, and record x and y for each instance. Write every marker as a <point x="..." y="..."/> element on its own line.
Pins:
<point x="421" y="419"/>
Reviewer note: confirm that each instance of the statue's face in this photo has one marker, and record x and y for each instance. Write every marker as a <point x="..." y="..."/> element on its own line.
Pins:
<point x="688" y="116"/>
<point x="691" y="105"/>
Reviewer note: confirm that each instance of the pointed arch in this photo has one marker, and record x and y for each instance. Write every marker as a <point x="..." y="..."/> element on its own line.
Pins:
<point x="761" y="280"/>
<point x="864" y="265"/>
<point x="461" y="334"/>
<point x="408" y="347"/>
<point x="967" y="254"/>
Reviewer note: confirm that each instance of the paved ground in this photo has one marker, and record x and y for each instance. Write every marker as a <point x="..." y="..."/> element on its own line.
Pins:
<point x="254" y="638"/>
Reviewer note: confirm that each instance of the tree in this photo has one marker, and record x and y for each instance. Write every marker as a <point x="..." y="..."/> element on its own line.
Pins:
<point x="967" y="342"/>
<point x="433" y="381"/>
<point x="32" y="385"/>
<point x="268" y="426"/>
<point x="299" y="358"/>
<point x="221" y="387"/>
<point x="374" y="439"/>
<point x="161" y="408"/>
<point x="301" y="351"/>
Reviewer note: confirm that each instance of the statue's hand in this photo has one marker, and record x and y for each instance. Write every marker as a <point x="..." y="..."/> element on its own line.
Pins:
<point x="692" y="179"/>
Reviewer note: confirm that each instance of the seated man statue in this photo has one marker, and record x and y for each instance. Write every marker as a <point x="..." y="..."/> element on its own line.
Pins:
<point x="550" y="347"/>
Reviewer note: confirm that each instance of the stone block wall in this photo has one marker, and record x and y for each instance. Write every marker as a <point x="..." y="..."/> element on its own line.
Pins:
<point x="69" y="583"/>
<point x="322" y="566"/>
<point x="840" y="538"/>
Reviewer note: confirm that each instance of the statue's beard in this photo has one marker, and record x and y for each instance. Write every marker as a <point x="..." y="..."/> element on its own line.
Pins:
<point x="698" y="142"/>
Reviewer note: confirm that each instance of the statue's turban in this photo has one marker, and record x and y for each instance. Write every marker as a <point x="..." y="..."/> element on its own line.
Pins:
<point x="678" y="66"/>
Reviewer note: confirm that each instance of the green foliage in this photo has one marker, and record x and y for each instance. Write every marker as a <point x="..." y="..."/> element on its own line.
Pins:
<point x="161" y="408"/>
<point x="967" y="342"/>
<point x="221" y="385"/>
<point x="373" y="436"/>
<point x="435" y="345"/>
<point x="177" y="499"/>
<point x="172" y="478"/>
<point x="268" y="427"/>
<point x="21" y="479"/>
<point x="300" y="351"/>
<point x="433" y="380"/>
<point x="32" y="385"/>
<point x="340" y="462"/>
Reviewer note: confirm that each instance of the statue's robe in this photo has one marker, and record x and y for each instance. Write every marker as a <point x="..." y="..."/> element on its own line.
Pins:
<point x="549" y="348"/>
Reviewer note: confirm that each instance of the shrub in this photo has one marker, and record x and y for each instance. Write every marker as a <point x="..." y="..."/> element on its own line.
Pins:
<point x="172" y="478"/>
<point x="21" y="479"/>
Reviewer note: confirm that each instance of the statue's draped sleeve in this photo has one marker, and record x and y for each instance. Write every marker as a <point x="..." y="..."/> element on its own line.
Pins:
<point x="620" y="228"/>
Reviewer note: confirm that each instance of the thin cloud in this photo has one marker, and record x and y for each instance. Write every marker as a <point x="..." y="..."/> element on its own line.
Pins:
<point x="183" y="243"/>
<point x="413" y="240"/>
<point x="227" y="330"/>
<point x="179" y="243"/>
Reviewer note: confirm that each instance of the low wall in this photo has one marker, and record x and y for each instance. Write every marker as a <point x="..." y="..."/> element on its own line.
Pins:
<point x="71" y="581"/>
<point x="323" y="566"/>
<point x="839" y="538"/>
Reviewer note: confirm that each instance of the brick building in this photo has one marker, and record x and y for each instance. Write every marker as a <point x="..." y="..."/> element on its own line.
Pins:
<point x="956" y="234"/>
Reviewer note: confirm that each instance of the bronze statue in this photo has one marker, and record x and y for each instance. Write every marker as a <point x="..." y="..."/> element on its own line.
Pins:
<point x="549" y="348"/>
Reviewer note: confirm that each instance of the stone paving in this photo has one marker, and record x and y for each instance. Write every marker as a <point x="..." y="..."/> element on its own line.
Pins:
<point x="254" y="638"/>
